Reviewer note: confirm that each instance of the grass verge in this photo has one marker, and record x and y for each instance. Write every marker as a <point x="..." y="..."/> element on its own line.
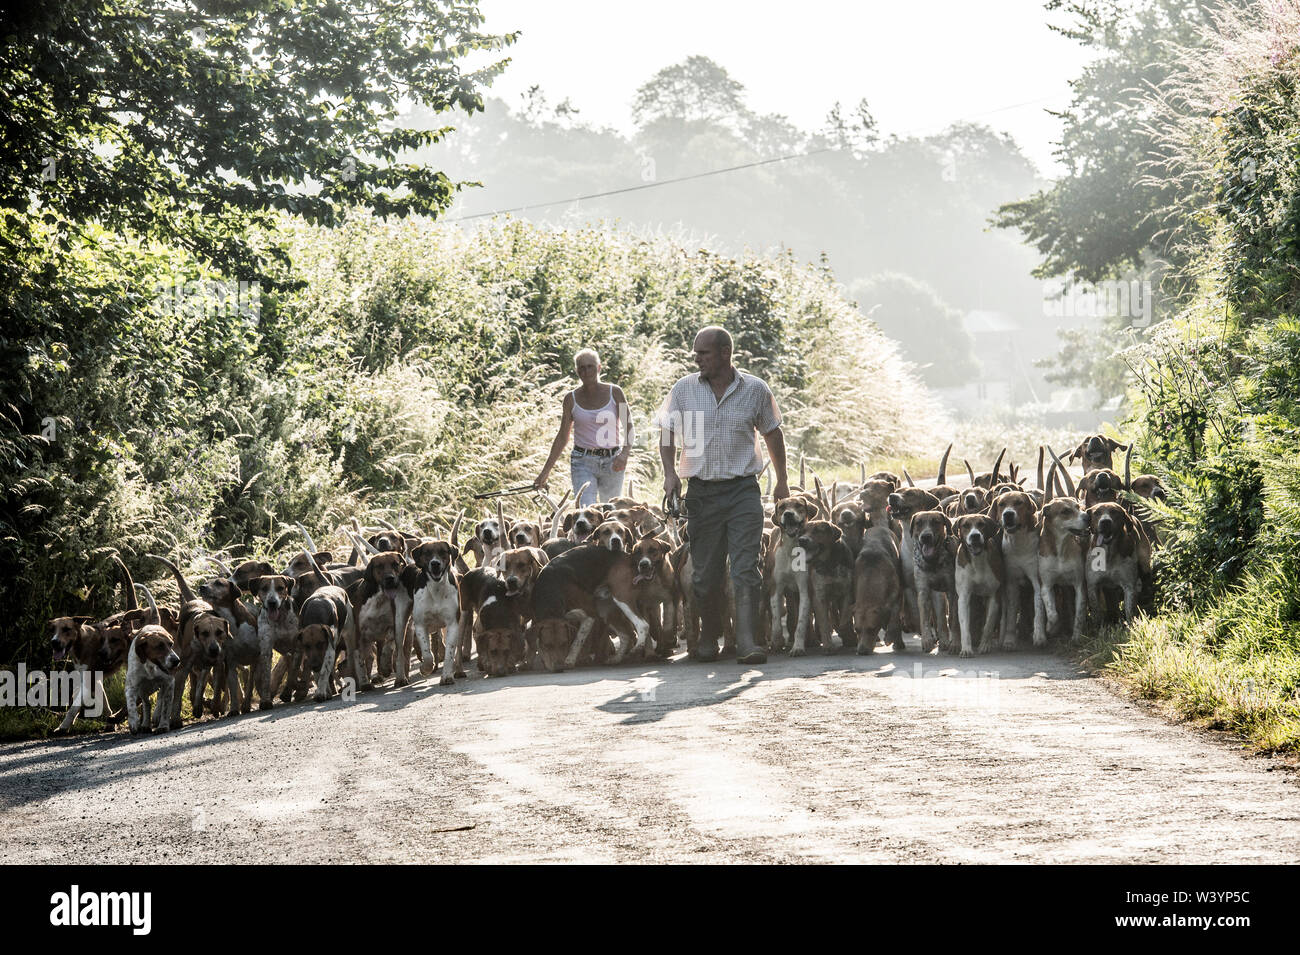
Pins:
<point x="1239" y="685"/>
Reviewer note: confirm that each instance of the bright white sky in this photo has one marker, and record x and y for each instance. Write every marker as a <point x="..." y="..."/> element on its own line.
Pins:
<point x="921" y="65"/>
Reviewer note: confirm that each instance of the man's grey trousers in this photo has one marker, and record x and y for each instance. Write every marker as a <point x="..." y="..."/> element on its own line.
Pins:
<point x="724" y="520"/>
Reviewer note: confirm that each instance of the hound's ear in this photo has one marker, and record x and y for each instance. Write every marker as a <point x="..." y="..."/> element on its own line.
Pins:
<point x="1077" y="452"/>
<point x="567" y="524"/>
<point x="775" y="522"/>
<point x="323" y="558"/>
<point x="1115" y="445"/>
<point x="1128" y="540"/>
<point x="835" y="531"/>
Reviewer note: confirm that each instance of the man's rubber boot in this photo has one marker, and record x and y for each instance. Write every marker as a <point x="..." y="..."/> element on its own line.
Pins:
<point x="747" y="651"/>
<point x="706" y="649"/>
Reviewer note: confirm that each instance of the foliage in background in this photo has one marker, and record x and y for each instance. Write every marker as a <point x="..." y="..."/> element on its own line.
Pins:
<point x="927" y="329"/>
<point x="912" y="203"/>
<point x="1112" y="215"/>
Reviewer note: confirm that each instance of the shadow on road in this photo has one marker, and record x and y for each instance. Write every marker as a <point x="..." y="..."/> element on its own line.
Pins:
<point x="641" y="692"/>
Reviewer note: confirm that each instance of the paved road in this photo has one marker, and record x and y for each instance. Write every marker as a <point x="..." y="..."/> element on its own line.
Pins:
<point x="892" y="758"/>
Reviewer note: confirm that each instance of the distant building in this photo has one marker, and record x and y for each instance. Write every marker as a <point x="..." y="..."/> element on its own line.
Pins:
<point x="1004" y="380"/>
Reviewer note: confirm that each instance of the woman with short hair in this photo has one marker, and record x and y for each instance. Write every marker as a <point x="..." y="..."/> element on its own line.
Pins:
<point x="597" y="414"/>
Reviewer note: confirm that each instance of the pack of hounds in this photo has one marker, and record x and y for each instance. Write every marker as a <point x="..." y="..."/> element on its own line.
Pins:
<point x="968" y="569"/>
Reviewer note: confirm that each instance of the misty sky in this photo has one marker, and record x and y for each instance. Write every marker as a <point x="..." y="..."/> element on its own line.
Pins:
<point x="921" y="65"/>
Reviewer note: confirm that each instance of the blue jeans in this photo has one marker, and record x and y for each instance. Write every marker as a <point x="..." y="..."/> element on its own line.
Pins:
<point x="606" y="483"/>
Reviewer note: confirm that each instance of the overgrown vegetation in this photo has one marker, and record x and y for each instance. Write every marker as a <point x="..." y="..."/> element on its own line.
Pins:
<point x="1216" y="410"/>
<point x="417" y="365"/>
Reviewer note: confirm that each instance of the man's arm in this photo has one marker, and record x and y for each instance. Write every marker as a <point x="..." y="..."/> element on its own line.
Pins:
<point x="668" y="449"/>
<point x="668" y="457"/>
<point x="776" y="451"/>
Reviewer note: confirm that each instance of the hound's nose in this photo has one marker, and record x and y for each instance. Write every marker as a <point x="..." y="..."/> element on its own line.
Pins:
<point x="895" y="500"/>
<point x="1009" y="519"/>
<point x="615" y="543"/>
<point x="927" y="538"/>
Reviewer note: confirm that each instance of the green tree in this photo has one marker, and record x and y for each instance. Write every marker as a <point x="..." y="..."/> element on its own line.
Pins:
<point x="1108" y="215"/>
<point x="186" y="122"/>
<point x="695" y="90"/>
<point x="151" y="143"/>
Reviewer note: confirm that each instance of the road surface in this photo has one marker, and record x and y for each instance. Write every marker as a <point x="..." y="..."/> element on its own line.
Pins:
<point x="891" y="758"/>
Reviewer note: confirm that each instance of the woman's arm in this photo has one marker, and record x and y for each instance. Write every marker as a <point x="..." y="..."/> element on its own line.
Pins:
<point x="561" y="439"/>
<point x="625" y="416"/>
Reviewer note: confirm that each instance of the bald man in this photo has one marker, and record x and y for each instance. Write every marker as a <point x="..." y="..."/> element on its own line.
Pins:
<point x="716" y="418"/>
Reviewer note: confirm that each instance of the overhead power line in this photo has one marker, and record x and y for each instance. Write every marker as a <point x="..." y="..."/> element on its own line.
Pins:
<point x="645" y="185"/>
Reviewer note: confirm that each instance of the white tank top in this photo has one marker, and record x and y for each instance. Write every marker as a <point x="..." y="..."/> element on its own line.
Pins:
<point x="595" y="429"/>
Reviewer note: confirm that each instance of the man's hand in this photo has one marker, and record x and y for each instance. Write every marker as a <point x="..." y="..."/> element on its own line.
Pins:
<point x="672" y="483"/>
<point x="780" y="491"/>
